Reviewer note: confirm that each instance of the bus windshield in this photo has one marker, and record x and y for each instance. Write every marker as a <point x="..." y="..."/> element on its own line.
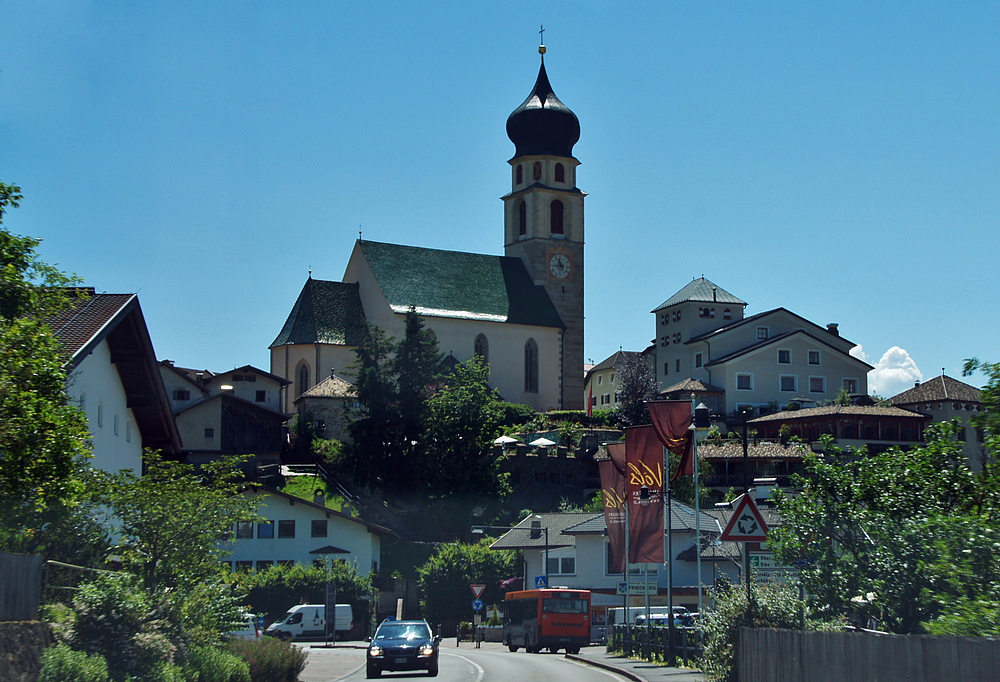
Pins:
<point x="564" y="606"/>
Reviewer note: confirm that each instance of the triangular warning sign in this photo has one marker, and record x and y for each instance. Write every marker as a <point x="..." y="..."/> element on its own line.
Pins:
<point x="477" y="590"/>
<point x="746" y="525"/>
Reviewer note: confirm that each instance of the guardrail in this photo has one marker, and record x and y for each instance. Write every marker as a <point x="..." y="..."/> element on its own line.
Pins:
<point x="652" y="643"/>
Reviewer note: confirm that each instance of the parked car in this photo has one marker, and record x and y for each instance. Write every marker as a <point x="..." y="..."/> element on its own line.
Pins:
<point x="308" y="621"/>
<point x="403" y="645"/>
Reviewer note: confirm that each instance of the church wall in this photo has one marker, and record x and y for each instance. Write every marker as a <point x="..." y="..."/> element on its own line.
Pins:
<point x="506" y="355"/>
<point x="285" y="361"/>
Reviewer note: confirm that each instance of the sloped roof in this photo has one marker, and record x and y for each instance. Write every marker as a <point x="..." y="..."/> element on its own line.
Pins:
<point x="325" y="312"/>
<point x="330" y="513"/>
<point x="940" y="388"/>
<point x="519" y="537"/>
<point x="700" y="290"/>
<point x="693" y="386"/>
<point x="772" y="340"/>
<point x="734" y="450"/>
<point x="837" y="410"/>
<point x="118" y="320"/>
<point x="330" y="387"/>
<point x="456" y="284"/>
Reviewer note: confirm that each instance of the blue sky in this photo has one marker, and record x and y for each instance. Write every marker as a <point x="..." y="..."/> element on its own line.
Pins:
<point x="841" y="160"/>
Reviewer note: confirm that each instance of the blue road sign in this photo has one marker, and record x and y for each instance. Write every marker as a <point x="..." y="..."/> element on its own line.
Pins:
<point x="477" y="604"/>
<point x="540" y="581"/>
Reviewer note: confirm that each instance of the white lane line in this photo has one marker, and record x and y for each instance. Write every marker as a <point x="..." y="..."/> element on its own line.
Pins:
<point x="482" y="673"/>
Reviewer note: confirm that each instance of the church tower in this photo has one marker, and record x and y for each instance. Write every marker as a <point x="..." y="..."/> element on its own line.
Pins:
<point x="543" y="216"/>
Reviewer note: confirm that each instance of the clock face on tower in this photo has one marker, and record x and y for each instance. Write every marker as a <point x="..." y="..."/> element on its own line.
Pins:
<point x="559" y="266"/>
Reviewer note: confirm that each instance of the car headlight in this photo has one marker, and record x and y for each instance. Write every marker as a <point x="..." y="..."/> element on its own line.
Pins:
<point x="375" y="652"/>
<point x="426" y="650"/>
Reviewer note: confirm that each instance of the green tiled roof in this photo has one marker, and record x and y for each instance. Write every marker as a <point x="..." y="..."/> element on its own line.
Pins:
<point x="701" y="290"/>
<point x="325" y="312"/>
<point x="463" y="285"/>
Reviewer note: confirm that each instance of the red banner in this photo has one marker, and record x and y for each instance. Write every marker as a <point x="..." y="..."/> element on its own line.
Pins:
<point x="672" y="421"/>
<point x="644" y="490"/>
<point x="613" y="493"/>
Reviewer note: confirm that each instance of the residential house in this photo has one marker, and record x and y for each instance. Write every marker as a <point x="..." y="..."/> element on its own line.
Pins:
<point x="114" y="379"/>
<point x="297" y="531"/>
<point x="573" y="551"/>
<point x="232" y="412"/>
<point x="943" y="398"/>
<point x="328" y="406"/>
<point x="521" y="312"/>
<point x="764" y="361"/>
<point x="600" y="382"/>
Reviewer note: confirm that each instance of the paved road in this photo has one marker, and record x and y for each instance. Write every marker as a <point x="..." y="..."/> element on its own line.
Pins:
<point x="493" y="662"/>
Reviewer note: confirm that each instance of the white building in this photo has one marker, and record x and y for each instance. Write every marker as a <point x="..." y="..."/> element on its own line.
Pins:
<point x="522" y="312"/>
<point x="296" y="531"/>
<point x="113" y="377"/>
<point x="764" y="361"/>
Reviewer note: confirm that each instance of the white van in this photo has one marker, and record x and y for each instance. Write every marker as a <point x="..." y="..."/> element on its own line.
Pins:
<point x="308" y="621"/>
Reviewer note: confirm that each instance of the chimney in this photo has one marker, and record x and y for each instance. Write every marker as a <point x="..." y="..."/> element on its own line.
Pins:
<point x="715" y="298"/>
<point x="832" y="328"/>
<point x="333" y="371"/>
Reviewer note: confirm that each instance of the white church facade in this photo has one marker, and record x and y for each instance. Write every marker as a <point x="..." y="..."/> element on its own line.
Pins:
<point x="522" y="312"/>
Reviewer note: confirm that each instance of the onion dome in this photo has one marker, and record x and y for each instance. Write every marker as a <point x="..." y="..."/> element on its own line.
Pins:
<point x="542" y="125"/>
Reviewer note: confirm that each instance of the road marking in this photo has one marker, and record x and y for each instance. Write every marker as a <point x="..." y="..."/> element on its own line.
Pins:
<point x="482" y="673"/>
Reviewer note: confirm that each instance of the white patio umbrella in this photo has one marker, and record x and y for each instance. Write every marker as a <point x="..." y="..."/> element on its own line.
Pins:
<point x="541" y="443"/>
<point x="505" y="440"/>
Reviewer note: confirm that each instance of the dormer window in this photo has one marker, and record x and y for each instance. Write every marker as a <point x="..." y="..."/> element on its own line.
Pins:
<point x="560" y="173"/>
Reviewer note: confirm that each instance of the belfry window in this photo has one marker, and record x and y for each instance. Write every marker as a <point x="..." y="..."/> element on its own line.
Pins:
<point x="560" y="173"/>
<point x="537" y="170"/>
<point x="519" y="174"/>
<point x="522" y="218"/>
<point x="531" y="367"/>
<point x="556" y="217"/>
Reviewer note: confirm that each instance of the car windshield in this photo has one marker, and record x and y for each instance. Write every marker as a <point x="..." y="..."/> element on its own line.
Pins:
<point x="403" y="631"/>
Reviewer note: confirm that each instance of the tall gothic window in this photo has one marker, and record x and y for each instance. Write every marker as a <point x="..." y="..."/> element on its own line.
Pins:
<point x="482" y="348"/>
<point x="519" y="174"/>
<point x="560" y="173"/>
<point x="556" y="217"/>
<point x="303" y="379"/>
<point x="522" y="218"/>
<point x="531" y="366"/>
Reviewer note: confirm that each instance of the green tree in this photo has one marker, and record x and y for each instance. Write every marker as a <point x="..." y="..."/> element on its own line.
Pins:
<point x="463" y="418"/>
<point x="914" y="532"/>
<point x="452" y="569"/>
<point x="170" y="519"/>
<point x="375" y="429"/>
<point x="43" y="438"/>
<point x="637" y="384"/>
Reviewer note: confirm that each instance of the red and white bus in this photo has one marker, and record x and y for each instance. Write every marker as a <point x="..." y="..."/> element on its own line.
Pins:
<point x="547" y="619"/>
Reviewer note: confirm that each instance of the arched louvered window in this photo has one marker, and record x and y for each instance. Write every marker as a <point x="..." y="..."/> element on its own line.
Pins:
<point x="522" y="218"/>
<point x="556" y="217"/>
<point x="560" y="173"/>
<point x="531" y="366"/>
<point x="519" y="174"/>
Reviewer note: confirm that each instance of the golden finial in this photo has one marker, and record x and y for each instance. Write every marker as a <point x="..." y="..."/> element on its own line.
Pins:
<point x="541" y="43"/>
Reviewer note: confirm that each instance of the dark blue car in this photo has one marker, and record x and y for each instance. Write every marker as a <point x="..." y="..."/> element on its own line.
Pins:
<point x="403" y="645"/>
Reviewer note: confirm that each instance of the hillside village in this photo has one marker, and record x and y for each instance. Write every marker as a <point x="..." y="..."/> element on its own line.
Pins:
<point x="776" y="375"/>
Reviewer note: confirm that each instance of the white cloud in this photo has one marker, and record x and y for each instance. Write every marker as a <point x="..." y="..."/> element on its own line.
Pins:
<point x="894" y="373"/>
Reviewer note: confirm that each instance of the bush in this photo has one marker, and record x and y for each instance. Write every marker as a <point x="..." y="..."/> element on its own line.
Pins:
<point x="60" y="663"/>
<point x="213" y="664"/>
<point x="274" y="590"/>
<point x="776" y="606"/>
<point x="269" y="659"/>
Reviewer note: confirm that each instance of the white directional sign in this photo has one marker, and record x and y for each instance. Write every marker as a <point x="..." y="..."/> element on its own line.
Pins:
<point x="746" y="525"/>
